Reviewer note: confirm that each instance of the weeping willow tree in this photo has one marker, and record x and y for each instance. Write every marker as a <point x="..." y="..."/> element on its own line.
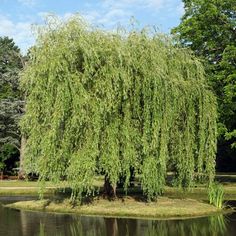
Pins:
<point x="105" y="102"/>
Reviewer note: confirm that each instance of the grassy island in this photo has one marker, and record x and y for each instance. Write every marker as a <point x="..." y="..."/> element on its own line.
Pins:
<point x="124" y="207"/>
<point x="174" y="203"/>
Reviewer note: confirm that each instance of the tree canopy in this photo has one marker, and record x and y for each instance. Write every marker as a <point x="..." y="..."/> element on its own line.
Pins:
<point x="108" y="102"/>
<point x="208" y="27"/>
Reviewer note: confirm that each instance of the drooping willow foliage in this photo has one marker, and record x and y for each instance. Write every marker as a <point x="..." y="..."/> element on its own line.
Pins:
<point x="105" y="102"/>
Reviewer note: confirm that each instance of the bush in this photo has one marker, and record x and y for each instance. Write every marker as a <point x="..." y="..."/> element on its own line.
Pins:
<point x="9" y="158"/>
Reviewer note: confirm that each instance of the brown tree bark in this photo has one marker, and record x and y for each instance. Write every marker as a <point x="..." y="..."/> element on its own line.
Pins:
<point x="109" y="190"/>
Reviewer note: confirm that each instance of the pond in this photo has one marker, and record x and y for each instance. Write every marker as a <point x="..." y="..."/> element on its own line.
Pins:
<point x="28" y="223"/>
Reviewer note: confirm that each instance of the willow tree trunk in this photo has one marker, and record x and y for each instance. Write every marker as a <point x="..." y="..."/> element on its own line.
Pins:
<point x="109" y="190"/>
<point x="21" y="174"/>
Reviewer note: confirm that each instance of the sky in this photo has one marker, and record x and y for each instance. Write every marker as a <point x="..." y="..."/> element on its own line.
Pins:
<point x="17" y="17"/>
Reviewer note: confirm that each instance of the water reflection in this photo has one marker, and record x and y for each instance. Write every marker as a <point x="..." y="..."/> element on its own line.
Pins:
<point x="91" y="226"/>
<point x="13" y="222"/>
<point x="214" y="225"/>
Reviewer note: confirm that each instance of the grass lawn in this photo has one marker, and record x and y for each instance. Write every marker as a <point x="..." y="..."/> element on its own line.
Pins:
<point x="21" y="187"/>
<point x="18" y="183"/>
<point x="98" y="181"/>
<point x="18" y="187"/>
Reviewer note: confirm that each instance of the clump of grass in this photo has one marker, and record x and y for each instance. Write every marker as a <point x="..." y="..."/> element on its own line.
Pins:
<point x="216" y="194"/>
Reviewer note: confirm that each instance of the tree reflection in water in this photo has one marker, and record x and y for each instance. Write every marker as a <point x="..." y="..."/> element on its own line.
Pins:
<point x="213" y="225"/>
<point x="96" y="226"/>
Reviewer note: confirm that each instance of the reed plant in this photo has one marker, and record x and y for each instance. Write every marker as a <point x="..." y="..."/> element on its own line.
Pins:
<point x="216" y="194"/>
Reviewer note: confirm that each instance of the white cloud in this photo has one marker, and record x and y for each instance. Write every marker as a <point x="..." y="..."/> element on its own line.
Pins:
<point x="134" y="4"/>
<point x="20" y="32"/>
<point x="107" y="13"/>
<point x="112" y="12"/>
<point x="107" y="18"/>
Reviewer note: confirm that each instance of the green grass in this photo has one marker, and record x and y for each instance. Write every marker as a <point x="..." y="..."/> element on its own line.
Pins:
<point x="19" y="187"/>
<point x="98" y="181"/>
<point x="22" y="192"/>
<point x="18" y="183"/>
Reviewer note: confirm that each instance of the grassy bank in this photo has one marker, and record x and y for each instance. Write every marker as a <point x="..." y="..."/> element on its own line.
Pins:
<point x="125" y="207"/>
<point x="18" y="187"/>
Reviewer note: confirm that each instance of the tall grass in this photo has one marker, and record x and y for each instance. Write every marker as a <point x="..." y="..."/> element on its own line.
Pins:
<point x="216" y="194"/>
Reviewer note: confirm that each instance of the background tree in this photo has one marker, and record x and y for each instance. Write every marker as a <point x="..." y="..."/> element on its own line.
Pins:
<point x="11" y="104"/>
<point x="208" y="27"/>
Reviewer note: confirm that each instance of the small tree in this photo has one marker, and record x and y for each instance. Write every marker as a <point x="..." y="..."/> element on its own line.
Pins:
<point x="112" y="102"/>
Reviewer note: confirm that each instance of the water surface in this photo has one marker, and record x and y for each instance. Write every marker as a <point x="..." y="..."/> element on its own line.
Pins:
<point x="28" y="223"/>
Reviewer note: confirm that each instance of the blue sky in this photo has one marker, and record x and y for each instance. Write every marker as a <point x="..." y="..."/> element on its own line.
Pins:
<point x="18" y="16"/>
